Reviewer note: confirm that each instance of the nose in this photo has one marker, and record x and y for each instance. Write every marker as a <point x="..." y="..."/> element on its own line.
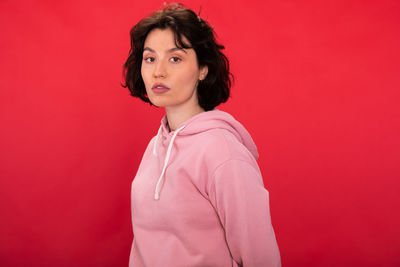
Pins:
<point x="160" y="70"/>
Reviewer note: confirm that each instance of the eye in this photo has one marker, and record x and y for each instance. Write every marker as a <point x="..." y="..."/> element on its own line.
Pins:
<point x="149" y="59"/>
<point x="175" y="59"/>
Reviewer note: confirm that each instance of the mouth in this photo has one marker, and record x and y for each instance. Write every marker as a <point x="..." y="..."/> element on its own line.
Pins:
<point x="159" y="88"/>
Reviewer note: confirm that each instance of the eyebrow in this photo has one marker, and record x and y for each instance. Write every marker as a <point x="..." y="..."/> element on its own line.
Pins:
<point x="169" y="50"/>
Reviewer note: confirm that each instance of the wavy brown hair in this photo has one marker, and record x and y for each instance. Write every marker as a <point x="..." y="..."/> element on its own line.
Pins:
<point x="215" y="88"/>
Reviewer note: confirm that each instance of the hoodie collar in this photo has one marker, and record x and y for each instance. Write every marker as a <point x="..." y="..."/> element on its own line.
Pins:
<point x="214" y="119"/>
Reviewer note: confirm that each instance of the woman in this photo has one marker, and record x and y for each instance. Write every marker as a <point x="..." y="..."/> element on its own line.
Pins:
<point x="198" y="197"/>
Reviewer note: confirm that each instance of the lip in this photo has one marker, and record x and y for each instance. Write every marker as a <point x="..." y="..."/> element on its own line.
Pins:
<point x="160" y="88"/>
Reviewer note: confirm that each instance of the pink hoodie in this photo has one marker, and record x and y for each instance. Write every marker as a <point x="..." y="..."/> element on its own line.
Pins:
<point x="198" y="198"/>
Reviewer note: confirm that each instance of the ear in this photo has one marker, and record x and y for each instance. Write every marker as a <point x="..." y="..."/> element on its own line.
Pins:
<point x="203" y="72"/>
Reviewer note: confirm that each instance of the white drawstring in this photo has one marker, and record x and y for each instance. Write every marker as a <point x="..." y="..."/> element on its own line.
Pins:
<point x="157" y="191"/>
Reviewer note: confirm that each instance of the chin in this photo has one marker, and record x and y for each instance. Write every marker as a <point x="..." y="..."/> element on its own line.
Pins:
<point x="162" y="101"/>
<point x="159" y="103"/>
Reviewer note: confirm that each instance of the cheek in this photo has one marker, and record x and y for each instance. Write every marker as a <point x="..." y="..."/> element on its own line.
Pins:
<point x="146" y="81"/>
<point x="143" y="73"/>
<point x="189" y="77"/>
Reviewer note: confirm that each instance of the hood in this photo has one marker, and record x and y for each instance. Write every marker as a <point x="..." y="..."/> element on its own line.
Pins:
<point x="214" y="119"/>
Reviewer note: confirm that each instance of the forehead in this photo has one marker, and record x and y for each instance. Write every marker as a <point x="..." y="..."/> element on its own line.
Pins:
<point x="162" y="39"/>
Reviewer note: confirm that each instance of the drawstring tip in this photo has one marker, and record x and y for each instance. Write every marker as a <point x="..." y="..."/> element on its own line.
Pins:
<point x="156" y="196"/>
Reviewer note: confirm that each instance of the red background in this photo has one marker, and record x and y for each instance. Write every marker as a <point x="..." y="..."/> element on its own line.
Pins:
<point x="317" y="85"/>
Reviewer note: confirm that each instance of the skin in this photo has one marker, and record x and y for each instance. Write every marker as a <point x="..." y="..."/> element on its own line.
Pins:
<point x="176" y="68"/>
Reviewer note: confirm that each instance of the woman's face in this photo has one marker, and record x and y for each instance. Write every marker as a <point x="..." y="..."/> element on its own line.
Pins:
<point x="170" y="74"/>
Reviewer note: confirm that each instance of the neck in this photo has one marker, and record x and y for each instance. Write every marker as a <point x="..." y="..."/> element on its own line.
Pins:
<point x="176" y="116"/>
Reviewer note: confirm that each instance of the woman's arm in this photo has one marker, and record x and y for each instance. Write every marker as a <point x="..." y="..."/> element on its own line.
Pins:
<point x="242" y="203"/>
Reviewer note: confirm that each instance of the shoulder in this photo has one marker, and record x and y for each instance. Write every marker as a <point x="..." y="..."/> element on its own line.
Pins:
<point x="150" y="146"/>
<point x="220" y="145"/>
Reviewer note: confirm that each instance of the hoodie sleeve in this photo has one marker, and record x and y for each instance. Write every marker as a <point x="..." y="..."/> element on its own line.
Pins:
<point x="242" y="203"/>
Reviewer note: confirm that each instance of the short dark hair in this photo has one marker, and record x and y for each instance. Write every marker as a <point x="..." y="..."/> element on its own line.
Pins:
<point x="211" y="91"/>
